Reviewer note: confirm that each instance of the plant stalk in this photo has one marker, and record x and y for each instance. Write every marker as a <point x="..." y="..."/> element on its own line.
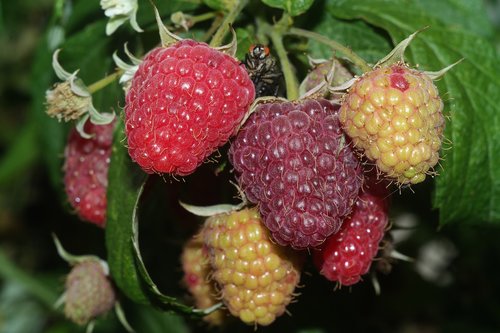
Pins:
<point x="215" y="25"/>
<point x="347" y="52"/>
<point x="202" y="17"/>
<point x="292" y="84"/>
<point x="96" y="86"/>
<point x="228" y="21"/>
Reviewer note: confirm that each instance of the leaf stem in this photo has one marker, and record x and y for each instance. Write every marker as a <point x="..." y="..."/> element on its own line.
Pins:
<point x="96" y="86"/>
<point x="228" y="20"/>
<point x="347" y="52"/>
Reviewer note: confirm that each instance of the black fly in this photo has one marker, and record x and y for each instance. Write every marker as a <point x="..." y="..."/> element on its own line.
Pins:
<point x="263" y="70"/>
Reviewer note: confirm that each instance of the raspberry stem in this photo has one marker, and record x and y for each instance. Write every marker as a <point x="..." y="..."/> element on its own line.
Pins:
<point x="347" y="52"/>
<point x="292" y="84"/>
<point x="215" y="25"/>
<point x="276" y="33"/>
<point x="193" y="19"/>
<point x="98" y="85"/>
<point x="228" y="21"/>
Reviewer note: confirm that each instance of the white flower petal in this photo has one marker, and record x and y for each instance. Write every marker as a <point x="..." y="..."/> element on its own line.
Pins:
<point x="120" y="11"/>
<point x="114" y="23"/>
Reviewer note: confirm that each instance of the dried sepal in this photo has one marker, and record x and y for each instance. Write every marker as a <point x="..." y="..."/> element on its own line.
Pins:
<point x="397" y="54"/>
<point x="438" y="74"/>
<point x="128" y="69"/>
<point x="231" y="47"/>
<point x="72" y="100"/>
<point x="166" y="36"/>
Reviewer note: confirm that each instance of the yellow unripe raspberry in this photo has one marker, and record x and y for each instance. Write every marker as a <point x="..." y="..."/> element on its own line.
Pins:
<point x="394" y="114"/>
<point x="256" y="276"/>
<point x="197" y="271"/>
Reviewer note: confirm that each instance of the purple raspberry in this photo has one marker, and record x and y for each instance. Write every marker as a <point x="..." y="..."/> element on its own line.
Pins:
<point x="292" y="159"/>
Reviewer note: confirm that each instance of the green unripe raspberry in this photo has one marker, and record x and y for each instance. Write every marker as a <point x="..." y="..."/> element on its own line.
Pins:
<point x="257" y="277"/>
<point x="89" y="292"/>
<point x="394" y="114"/>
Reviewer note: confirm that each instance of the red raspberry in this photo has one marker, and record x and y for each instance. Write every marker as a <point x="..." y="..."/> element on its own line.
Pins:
<point x="348" y="254"/>
<point x="184" y="102"/>
<point x="86" y="171"/>
<point x="293" y="161"/>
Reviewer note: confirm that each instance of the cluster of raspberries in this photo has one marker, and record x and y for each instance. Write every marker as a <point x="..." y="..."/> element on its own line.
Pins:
<point x="301" y="163"/>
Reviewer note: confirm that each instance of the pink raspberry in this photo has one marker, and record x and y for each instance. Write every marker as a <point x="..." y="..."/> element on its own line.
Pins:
<point x="198" y="279"/>
<point x="348" y="254"/>
<point x="184" y="102"/>
<point x="86" y="171"/>
<point x="292" y="160"/>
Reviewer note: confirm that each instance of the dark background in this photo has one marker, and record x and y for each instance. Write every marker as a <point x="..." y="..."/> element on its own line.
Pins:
<point x="463" y="294"/>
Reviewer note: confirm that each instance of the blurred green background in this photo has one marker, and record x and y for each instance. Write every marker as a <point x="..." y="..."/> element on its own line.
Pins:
<point x="453" y="286"/>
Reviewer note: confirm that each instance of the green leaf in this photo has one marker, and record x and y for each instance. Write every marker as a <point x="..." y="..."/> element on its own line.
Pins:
<point x="244" y="41"/>
<point x="357" y="35"/>
<point x="150" y="320"/>
<point x="11" y="272"/>
<point x="21" y="155"/>
<point x="162" y="301"/>
<point x="146" y="16"/>
<point x="51" y="134"/>
<point x="224" y="5"/>
<point x="88" y="50"/>
<point x="292" y="7"/>
<point x="468" y="189"/>
<point x="125" y="184"/>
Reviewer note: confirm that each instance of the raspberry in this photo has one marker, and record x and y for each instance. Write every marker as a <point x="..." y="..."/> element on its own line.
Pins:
<point x="348" y="254"/>
<point x="86" y="171"/>
<point x="394" y="114"/>
<point x="293" y="161"/>
<point x="89" y="292"/>
<point x="197" y="271"/>
<point x="184" y="102"/>
<point x="256" y="276"/>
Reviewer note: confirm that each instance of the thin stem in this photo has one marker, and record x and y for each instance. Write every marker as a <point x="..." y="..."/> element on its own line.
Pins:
<point x="215" y="25"/>
<point x="228" y="20"/>
<point x="292" y="84"/>
<point x="348" y="53"/>
<point x="276" y="32"/>
<point x="9" y="271"/>
<point x="96" y="86"/>
<point x="202" y="17"/>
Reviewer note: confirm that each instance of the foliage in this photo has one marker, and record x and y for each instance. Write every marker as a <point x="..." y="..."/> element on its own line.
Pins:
<point x="466" y="192"/>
